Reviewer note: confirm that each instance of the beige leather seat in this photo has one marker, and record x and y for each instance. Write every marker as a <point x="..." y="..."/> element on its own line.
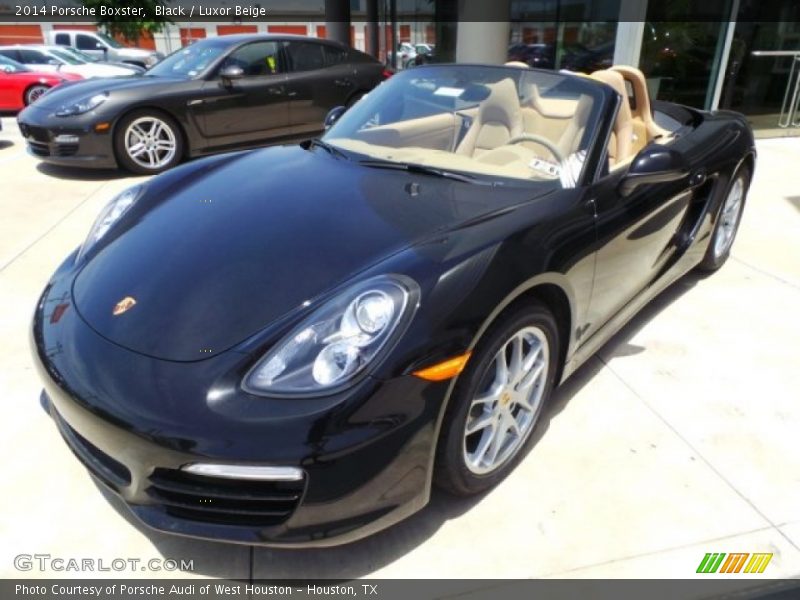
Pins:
<point x="499" y="119"/>
<point x="620" y="146"/>
<point x="645" y="128"/>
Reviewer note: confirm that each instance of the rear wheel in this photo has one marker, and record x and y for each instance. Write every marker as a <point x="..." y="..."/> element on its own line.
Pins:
<point x="33" y="93"/>
<point x="497" y="402"/>
<point x="148" y="142"/>
<point x="727" y="224"/>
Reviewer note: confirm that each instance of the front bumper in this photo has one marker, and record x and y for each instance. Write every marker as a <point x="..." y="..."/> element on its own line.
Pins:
<point x="67" y="141"/>
<point x="366" y="458"/>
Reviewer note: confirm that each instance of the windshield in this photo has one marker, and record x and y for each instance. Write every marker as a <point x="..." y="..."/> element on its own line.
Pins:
<point x="109" y="40"/>
<point x="82" y="56"/>
<point x="188" y="62"/>
<point x="65" y="56"/>
<point x="11" y="66"/>
<point x="483" y="121"/>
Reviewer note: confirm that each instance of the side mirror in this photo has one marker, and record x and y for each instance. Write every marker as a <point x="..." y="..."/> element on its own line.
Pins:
<point x="230" y="74"/>
<point x="654" y="164"/>
<point x="333" y="116"/>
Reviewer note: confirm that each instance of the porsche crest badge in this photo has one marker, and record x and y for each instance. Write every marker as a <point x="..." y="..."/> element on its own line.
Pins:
<point x="123" y="305"/>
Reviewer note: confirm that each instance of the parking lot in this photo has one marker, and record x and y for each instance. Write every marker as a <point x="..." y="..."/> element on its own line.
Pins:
<point x="678" y="439"/>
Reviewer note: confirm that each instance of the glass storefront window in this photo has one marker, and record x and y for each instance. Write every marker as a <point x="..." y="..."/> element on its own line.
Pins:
<point x="764" y="67"/>
<point x="679" y="60"/>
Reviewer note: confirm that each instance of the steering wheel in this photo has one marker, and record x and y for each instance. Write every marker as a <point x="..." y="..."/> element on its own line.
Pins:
<point x="538" y="139"/>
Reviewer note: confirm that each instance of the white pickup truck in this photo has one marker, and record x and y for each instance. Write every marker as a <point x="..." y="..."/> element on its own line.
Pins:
<point x="104" y="47"/>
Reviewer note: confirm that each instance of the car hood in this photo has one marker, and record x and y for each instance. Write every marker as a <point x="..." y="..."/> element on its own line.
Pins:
<point x="134" y="52"/>
<point x="74" y="93"/>
<point x="97" y="70"/>
<point x="216" y="251"/>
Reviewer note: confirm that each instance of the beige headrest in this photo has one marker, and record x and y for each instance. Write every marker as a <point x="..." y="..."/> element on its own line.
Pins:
<point x="517" y="63"/>
<point x="502" y="105"/>
<point x="617" y="82"/>
<point x="639" y="85"/>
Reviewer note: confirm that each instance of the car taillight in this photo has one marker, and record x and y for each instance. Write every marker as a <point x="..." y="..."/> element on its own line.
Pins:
<point x="387" y="73"/>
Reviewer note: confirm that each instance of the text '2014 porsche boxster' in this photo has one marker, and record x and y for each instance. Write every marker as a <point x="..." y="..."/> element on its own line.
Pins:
<point x="289" y="346"/>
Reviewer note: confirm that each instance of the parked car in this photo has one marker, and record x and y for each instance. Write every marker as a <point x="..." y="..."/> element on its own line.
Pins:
<point x="423" y="54"/>
<point x="404" y="51"/>
<point x="578" y="57"/>
<point x="291" y="345"/>
<point x="53" y="58"/>
<point x="217" y="94"/>
<point x="83" y="57"/>
<point x="104" y="47"/>
<point x="20" y="86"/>
<point x="540" y="56"/>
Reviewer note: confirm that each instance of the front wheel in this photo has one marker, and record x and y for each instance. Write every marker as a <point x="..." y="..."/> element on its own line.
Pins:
<point x="497" y="402"/>
<point x="727" y="224"/>
<point x="148" y="142"/>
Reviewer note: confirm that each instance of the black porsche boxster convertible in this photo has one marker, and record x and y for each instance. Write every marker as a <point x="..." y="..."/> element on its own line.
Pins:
<point x="289" y="346"/>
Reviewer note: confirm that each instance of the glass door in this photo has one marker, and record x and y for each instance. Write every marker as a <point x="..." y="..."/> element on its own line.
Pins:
<point x="763" y="76"/>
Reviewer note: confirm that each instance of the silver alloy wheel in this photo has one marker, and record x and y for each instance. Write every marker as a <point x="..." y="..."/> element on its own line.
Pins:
<point x="502" y="414"/>
<point x="34" y="93"/>
<point x="150" y="143"/>
<point x="729" y="217"/>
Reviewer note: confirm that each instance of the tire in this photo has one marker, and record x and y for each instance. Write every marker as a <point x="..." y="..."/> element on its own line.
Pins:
<point x="33" y="93"/>
<point x="159" y="153"/>
<point x="459" y="468"/>
<point x="727" y="223"/>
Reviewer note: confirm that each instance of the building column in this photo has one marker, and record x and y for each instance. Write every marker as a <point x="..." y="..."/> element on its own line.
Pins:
<point x="483" y="31"/>
<point x="337" y="21"/>
<point x="371" y="29"/>
<point x="630" y="30"/>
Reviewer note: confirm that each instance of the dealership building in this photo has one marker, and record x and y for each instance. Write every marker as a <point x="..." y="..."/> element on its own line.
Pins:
<point x="742" y="55"/>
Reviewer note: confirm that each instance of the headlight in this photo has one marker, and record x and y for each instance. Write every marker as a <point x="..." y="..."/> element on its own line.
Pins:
<point x="337" y="341"/>
<point x="110" y="215"/>
<point x="83" y="106"/>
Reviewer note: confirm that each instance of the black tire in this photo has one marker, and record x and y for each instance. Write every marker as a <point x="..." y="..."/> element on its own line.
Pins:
<point x="451" y="472"/>
<point x="127" y="161"/>
<point x="33" y="93"/>
<point x="712" y="261"/>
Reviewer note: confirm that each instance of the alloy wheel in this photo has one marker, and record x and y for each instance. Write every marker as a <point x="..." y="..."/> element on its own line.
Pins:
<point x="503" y="412"/>
<point x="150" y="143"/>
<point x="34" y="93"/>
<point x="729" y="218"/>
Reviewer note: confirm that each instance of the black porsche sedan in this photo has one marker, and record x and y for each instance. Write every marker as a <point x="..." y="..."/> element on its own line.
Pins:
<point x="290" y="346"/>
<point x="215" y="95"/>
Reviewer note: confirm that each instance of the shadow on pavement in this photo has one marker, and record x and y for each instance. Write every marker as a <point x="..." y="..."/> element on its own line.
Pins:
<point x="6" y="144"/>
<point x="363" y="557"/>
<point x="78" y="174"/>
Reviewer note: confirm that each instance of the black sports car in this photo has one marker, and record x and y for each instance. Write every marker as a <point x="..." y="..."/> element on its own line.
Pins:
<point x="217" y="94"/>
<point x="291" y="345"/>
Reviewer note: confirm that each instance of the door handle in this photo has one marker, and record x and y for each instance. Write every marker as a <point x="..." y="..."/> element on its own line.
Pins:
<point x="343" y="82"/>
<point x="275" y="91"/>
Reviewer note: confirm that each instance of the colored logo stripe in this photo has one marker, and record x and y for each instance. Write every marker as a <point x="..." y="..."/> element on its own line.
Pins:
<point x="733" y="564"/>
<point x="710" y="562"/>
<point x="758" y="563"/>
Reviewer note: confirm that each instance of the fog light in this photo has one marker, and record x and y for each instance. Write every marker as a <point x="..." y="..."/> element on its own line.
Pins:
<point x="67" y="139"/>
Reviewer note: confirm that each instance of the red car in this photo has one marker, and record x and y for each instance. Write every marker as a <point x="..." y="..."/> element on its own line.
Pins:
<point x="19" y="86"/>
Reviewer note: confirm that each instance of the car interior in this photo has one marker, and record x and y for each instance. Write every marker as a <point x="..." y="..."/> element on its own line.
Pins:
<point x="517" y="132"/>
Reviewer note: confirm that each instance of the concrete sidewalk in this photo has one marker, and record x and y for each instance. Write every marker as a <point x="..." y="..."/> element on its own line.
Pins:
<point x="679" y="438"/>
